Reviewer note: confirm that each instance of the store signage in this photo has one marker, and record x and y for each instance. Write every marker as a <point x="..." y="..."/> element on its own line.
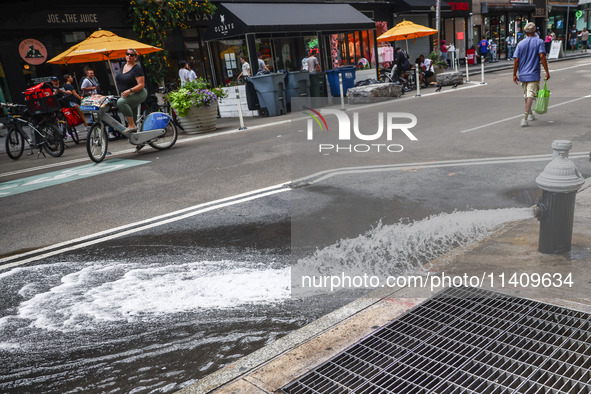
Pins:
<point x="32" y="51"/>
<point x="69" y="18"/>
<point x="223" y="28"/>
<point x="520" y="1"/>
<point x="457" y="6"/>
<point x="198" y="17"/>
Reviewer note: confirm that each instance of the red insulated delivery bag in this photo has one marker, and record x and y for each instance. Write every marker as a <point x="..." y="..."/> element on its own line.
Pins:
<point x="72" y="116"/>
<point x="40" y="99"/>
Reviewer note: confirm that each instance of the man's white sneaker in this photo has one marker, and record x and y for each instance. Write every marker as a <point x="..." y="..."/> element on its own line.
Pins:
<point x="523" y="122"/>
<point x="531" y="117"/>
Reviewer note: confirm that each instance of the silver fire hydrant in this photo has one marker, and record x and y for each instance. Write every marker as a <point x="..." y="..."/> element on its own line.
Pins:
<point x="555" y="210"/>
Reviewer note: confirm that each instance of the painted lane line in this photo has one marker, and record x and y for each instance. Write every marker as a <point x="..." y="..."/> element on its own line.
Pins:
<point x="324" y="175"/>
<point x="53" y="178"/>
<point x="521" y="115"/>
<point x="153" y="222"/>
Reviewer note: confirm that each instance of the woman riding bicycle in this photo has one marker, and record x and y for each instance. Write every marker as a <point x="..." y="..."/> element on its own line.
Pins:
<point x="130" y="83"/>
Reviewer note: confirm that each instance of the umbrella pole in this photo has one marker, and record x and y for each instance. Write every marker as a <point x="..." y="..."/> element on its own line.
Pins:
<point x="113" y="75"/>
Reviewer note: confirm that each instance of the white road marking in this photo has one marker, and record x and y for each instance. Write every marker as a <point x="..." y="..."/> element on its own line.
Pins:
<point x="138" y="226"/>
<point x="324" y="175"/>
<point x="520" y="115"/>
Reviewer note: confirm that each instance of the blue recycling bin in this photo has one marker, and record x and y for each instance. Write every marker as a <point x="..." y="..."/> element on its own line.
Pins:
<point x="269" y="89"/>
<point x="297" y="84"/>
<point x="348" y="73"/>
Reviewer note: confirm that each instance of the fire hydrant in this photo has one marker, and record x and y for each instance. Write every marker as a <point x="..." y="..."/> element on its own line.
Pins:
<point x="555" y="210"/>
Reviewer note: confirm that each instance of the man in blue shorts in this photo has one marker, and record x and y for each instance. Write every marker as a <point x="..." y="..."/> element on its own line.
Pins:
<point x="529" y="53"/>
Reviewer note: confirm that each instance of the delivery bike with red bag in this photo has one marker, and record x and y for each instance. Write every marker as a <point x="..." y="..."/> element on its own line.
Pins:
<point x="37" y="116"/>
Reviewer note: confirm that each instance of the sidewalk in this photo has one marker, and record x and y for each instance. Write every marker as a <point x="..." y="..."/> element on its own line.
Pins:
<point x="511" y="249"/>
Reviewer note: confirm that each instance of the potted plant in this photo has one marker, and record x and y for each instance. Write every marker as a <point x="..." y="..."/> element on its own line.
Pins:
<point x="438" y="63"/>
<point x="195" y="103"/>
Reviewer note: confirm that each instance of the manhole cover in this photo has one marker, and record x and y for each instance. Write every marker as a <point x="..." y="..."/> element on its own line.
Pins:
<point x="465" y="340"/>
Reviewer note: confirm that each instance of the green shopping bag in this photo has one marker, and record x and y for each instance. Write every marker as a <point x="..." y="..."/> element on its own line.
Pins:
<point x="543" y="99"/>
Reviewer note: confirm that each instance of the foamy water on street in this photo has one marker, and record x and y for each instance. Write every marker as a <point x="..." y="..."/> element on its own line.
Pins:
<point x="163" y="321"/>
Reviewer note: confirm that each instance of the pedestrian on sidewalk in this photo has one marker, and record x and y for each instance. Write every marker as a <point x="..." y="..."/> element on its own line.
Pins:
<point x="510" y="40"/>
<point x="245" y="68"/>
<point x="573" y="34"/>
<point x="483" y="49"/>
<point x="548" y="41"/>
<point x="444" y="50"/>
<point x="183" y="72"/>
<point x="584" y="39"/>
<point x="191" y="74"/>
<point x="529" y="53"/>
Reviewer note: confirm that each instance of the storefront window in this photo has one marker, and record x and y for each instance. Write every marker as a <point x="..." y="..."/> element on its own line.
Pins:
<point x="227" y="59"/>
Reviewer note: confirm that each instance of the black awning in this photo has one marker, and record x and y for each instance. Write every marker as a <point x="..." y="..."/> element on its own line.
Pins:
<point x="420" y="6"/>
<point x="235" y="19"/>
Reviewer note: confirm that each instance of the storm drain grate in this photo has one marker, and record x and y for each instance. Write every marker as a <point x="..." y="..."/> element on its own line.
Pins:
<point x="465" y="340"/>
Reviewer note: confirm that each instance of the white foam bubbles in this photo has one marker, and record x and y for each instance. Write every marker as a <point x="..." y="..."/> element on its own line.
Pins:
<point x="402" y="248"/>
<point x="111" y="291"/>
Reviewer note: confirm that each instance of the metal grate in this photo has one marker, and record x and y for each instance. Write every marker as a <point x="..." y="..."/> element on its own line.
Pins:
<point x="465" y="340"/>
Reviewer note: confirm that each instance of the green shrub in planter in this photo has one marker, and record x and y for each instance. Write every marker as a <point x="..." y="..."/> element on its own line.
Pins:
<point x="195" y="93"/>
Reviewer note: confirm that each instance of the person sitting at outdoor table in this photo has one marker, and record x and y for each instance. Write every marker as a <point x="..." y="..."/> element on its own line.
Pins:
<point x="426" y="70"/>
<point x="130" y="83"/>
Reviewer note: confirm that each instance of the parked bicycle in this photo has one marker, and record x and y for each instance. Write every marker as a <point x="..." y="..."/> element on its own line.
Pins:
<point x="65" y="126"/>
<point x="156" y="129"/>
<point x="45" y="135"/>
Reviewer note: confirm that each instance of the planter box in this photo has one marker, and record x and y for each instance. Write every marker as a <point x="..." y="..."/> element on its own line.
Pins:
<point x="229" y="106"/>
<point x="199" y="120"/>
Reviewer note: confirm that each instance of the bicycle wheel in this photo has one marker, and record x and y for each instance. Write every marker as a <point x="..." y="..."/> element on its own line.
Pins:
<point x="97" y="142"/>
<point x="54" y="140"/>
<point x="74" y="134"/>
<point x="15" y="143"/>
<point x="166" y="140"/>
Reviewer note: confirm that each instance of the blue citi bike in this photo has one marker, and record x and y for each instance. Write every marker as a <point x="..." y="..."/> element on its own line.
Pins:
<point x="155" y="129"/>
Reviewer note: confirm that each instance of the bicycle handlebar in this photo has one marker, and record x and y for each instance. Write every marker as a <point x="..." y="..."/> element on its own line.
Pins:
<point x="13" y="105"/>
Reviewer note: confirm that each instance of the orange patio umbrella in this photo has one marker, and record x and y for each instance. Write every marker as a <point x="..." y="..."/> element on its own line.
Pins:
<point x="406" y="30"/>
<point x="100" y="46"/>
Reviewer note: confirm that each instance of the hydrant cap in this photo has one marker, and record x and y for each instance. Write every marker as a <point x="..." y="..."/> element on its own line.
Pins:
<point x="562" y="145"/>
<point x="560" y="176"/>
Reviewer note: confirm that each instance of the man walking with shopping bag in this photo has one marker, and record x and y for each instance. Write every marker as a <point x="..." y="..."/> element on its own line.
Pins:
<point x="529" y="53"/>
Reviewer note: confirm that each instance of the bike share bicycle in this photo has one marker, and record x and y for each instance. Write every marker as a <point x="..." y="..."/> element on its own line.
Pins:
<point x="156" y="129"/>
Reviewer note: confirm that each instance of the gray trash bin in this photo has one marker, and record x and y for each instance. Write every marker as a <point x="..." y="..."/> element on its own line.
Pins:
<point x="318" y="84"/>
<point x="297" y="85"/>
<point x="269" y="88"/>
